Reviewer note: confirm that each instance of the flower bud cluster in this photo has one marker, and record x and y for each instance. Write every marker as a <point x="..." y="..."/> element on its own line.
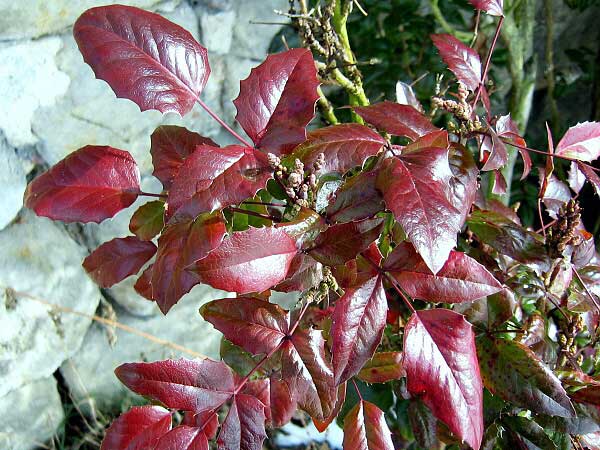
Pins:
<point x="565" y="231"/>
<point x="300" y="185"/>
<point x="461" y="110"/>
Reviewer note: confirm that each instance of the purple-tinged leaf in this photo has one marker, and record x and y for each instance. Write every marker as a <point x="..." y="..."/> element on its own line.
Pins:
<point x="365" y="428"/>
<point x="344" y="147"/>
<point x="382" y="368"/>
<point x="183" y="437"/>
<point x="499" y="183"/>
<point x="179" y="247"/>
<point x="581" y="142"/>
<point x="255" y="325"/>
<point x="576" y="178"/>
<point x="396" y="119"/>
<point x="341" y="243"/>
<point x="415" y="189"/>
<point x="139" y="428"/>
<point x="322" y="425"/>
<point x="514" y="373"/>
<point x="244" y="426"/>
<point x="148" y="220"/>
<point x="117" y="259"/>
<point x="213" y="178"/>
<point x="192" y="385"/>
<point x="405" y="95"/>
<point x="440" y="361"/>
<point x="492" y="7"/>
<point x="507" y="129"/>
<point x="463" y="61"/>
<point x="207" y="421"/>
<point x="248" y="261"/>
<point x="170" y="146"/>
<point x="461" y="279"/>
<point x="143" y="57"/>
<point x="557" y="194"/>
<point x="306" y="369"/>
<point x="438" y="139"/>
<point x="281" y="402"/>
<point x="464" y="183"/>
<point x="358" y="321"/>
<point x="357" y="199"/>
<point x="498" y="155"/>
<point x="277" y="100"/>
<point x="90" y="185"/>
<point x="143" y="285"/>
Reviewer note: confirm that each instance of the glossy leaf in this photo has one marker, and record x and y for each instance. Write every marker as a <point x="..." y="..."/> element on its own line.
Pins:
<point x="183" y="438"/>
<point x="514" y="373"/>
<point x="143" y="285"/>
<point x="117" y="259"/>
<point x="213" y="178"/>
<point x="248" y="261"/>
<point x="277" y="100"/>
<point x="405" y="95"/>
<point x="139" y="428"/>
<point x="498" y="155"/>
<point x="492" y="7"/>
<point x="464" y="183"/>
<point x="415" y="189"/>
<point x="440" y="361"/>
<point x="507" y="130"/>
<point x="306" y="369"/>
<point x="581" y="142"/>
<point x="179" y="247"/>
<point x="282" y="402"/>
<point x="556" y="194"/>
<point x="148" y="220"/>
<point x="344" y="147"/>
<point x="396" y="119"/>
<point x="357" y="199"/>
<point x="461" y="279"/>
<point x="358" y="319"/>
<point x="591" y="176"/>
<point x="321" y="426"/>
<point x="383" y="367"/>
<point x="304" y="273"/>
<point x="341" y="243"/>
<point x="170" y="145"/>
<point x="244" y="426"/>
<point x="192" y="385"/>
<point x="422" y="423"/>
<point x="143" y="57"/>
<point x="90" y="185"/>
<point x="365" y="428"/>
<point x="207" y="421"/>
<point x="255" y="325"/>
<point x="463" y="61"/>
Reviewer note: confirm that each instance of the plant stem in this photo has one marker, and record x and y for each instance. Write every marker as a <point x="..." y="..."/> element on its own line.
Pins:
<point x="253" y="213"/>
<point x="282" y="205"/>
<point x="587" y="291"/>
<point x="488" y="59"/>
<point x="326" y="108"/>
<point x="550" y="63"/>
<point x="223" y="124"/>
<point x="150" y="194"/>
<point x="244" y="380"/>
<point x="437" y="13"/>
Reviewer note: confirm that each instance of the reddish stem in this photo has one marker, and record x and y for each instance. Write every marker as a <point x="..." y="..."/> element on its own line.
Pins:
<point x="486" y="67"/>
<point x="281" y="205"/>
<point x="587" y="291"/>
<point x="357" y="390"/>
<point x="244" y="380"/>
<point x="255" y="214"/>
<point x="223" y="124"/>
<point x="150" y="194"/>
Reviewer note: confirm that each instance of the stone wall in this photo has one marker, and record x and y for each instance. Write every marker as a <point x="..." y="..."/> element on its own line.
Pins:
<point x="50" y="105"/>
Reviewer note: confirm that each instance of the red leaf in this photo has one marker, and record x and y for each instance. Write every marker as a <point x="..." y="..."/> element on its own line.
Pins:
<point x="277" y="100"/>
<point x="244" y="426"/>
<point x="179" y="247"/>
<point x="396" y="119"/>
<point x="358" y="271"/>
<point x="415" y="189"/>
<point x="383" y="367"/>
<point x="463" y="61"/>
<point x="282" y="402"/>
<point x="464" y="183"/>
<point x="183" y="438"/>
<point x="170" y="146"/>
<point x="344" y="146"/>
<point x="139" y="428"/>
<point x="581" y="142"/>
<point x="498" y="155"/>
<point x="591" y="176"/>
<point x="249" y="261"/>
<point x="341" y="243"/>
<point x="357" y="199"/>
<point x="358" y="322"/>
<point x="255" y="325"/>
<point x="461" y="279"/>
<point x="117" y="259"/>
<point x="508" y="130"/>
<point x="304" y="273"/>
<point x="321" y="425"/>
<point x="208" y="421"/>
<point x="148" y="220"/>
<point x="192" y="385"/>
<point x="306" y="369"/>
<point x="365" y="428"/>
<point x="213" y="178"/>
<point x="90" y="185"/>
<point x="143" y="285"/>
<point x="143" y="57"/>
<point x="440" y="360"/>
<point x="492" y="7"/>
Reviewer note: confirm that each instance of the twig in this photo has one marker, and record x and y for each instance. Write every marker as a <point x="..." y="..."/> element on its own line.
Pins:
<point x="223" y="124"/>
<point x="112" y="323"/>
<point x="255" y="214"/>
<point x="587" y="291"/>
<point x="150" y="194"/>
<point x="488" y="59"/>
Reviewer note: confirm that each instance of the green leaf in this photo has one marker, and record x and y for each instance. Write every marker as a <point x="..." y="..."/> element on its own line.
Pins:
<point x="530" y="430"/>
<point x="148" y="220"/>
<point x="513" y="372"/>
<point x="423" y="424"/>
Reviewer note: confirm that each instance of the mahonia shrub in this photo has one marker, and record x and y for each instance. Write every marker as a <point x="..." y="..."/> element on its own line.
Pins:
<point x="408" y="274"/>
